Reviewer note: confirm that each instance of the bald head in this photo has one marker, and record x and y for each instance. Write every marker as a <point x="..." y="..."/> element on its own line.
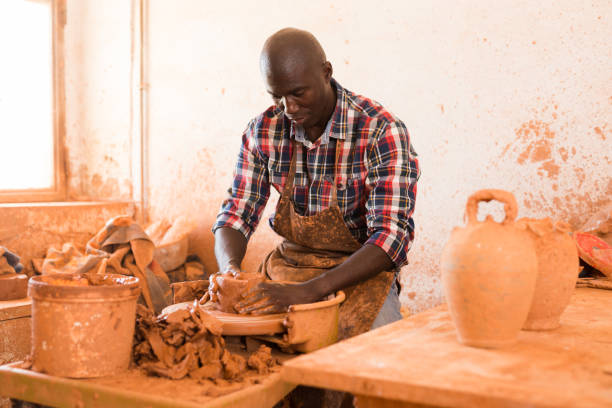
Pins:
<point x="291" y="49"/>
<point x="298" y="78"/>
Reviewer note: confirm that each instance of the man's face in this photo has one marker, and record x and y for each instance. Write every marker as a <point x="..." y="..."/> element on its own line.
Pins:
<point x="301" y="93"/>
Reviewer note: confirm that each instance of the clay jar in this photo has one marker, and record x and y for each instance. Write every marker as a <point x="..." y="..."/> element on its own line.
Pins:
<point x="558" y="268"/>
<point x="489" y="272"/>
<point x="228" y="290"/>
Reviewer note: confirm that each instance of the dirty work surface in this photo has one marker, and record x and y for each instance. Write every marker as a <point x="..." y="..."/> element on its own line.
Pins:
<point x="419" y="360"/>
<point x="134" y="388"/>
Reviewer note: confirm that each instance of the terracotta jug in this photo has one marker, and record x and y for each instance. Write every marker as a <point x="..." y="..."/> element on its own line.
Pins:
<point x="558" y="268"/>
<point x="489" y="273"/>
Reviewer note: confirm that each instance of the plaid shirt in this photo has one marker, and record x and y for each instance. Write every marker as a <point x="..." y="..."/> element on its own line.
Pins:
<point x="378" y="172"/>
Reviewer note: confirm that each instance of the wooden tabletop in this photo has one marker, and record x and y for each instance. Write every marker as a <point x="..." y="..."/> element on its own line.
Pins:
<point x="419" y="360"/>
<point x="133" y="389"/>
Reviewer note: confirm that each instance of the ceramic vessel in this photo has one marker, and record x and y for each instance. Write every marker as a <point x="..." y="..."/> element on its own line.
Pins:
<point x="558" y="268"/>
<point x="82" y="331"/>
<point x="489" y="272"/>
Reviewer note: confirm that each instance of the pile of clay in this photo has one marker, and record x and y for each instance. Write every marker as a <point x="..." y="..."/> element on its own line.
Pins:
<point x="188" y="343"/>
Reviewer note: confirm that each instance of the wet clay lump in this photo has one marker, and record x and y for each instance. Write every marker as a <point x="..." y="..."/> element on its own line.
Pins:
<point x="225" y="290"/>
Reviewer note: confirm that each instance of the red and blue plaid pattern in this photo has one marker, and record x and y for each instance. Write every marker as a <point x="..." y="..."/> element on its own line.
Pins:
<point x="378" y="172"/>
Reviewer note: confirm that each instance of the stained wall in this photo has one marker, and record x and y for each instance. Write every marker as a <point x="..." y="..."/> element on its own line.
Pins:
<point x="508" y="94"/>
<point x="97" y="53"/>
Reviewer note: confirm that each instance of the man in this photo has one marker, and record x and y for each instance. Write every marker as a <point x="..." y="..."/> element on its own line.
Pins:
<point x="347" y="176"/>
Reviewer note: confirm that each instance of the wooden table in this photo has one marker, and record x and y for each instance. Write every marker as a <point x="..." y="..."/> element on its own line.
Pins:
<point x="132" y="390"/>
<point x="419" y="362"/>
<point x="135" y="389"/>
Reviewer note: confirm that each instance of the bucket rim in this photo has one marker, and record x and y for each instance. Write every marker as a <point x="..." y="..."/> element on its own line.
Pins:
<point x="38" y="288"/>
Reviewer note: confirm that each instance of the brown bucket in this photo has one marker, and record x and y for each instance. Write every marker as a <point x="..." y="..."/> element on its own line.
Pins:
<point x="82" y="331"/>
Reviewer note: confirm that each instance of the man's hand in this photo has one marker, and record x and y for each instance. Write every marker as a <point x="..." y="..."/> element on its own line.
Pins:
<point x="275" y="297"/>
<point x="231" y="269"/>
<point x="213" y="286"/>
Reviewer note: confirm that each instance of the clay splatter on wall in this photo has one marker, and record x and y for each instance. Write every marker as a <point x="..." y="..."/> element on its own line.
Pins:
<point x="563" y="190"/>
<point x="535" y="143"/>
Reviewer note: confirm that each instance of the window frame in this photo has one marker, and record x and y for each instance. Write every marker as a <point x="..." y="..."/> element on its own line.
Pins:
<point x="57" y="192"/>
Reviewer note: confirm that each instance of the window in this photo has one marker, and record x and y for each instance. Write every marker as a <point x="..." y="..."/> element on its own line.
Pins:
<point x="31" y="100"/>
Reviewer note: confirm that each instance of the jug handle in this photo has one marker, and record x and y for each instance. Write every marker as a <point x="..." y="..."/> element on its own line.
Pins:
<point x="505" y="197"/>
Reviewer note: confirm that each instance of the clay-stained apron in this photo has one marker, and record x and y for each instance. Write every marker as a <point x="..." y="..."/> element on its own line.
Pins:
<point x="314" y="244"/>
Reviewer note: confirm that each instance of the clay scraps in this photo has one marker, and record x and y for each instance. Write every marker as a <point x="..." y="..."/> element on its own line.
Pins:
<point x="188" y="290"/>
<point x="191" y="270"/>
<point x="188" y="342"/>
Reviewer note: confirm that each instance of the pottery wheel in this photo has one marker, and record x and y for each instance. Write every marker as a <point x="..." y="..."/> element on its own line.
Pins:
<point x="240" y="325"/>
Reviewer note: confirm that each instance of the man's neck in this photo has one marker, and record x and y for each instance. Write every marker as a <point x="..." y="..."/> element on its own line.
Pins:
<point x="315" y="132"/>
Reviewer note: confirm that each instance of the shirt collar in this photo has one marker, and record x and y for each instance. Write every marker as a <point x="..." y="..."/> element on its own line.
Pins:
<point x="336" y="125"/>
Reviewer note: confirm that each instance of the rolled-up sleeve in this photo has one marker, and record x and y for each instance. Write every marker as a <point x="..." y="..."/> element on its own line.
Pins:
<point x="393" y="171"/>
<point x="249" y="191"/>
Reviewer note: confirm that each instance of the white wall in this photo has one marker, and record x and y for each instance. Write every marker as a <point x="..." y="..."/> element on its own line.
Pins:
<point x="508" y="94"/>
<point x="97" y="69"/>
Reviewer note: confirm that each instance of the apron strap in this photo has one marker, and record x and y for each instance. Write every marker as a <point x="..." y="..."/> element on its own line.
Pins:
<point x="288" y="189"/>
<point x="334" y="196"/>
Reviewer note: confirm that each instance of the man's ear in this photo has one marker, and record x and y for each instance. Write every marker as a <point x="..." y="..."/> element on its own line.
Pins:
<point x="328" y="70"/>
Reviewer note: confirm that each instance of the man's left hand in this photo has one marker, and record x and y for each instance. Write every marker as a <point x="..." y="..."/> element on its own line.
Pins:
<point x="275" y="297"/>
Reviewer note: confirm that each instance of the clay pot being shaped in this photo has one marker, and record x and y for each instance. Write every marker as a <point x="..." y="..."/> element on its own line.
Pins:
<point x="558" y="268"/>
<point x="489" y="272"/>
<point x="228" y="290"/>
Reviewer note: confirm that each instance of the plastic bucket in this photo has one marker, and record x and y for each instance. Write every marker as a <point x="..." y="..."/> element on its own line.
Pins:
<point x="82" y="331"/>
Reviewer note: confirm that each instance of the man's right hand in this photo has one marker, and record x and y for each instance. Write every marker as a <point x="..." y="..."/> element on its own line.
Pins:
<point x="213" y="286"/>
<point x="232" y="269"/>
<point x="230" y="247"/>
